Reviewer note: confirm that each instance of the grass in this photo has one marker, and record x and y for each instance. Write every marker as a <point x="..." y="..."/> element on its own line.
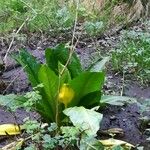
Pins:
<point x="52" y="15"/>
<point x="133" y="55"/>
<point x="14" y="12"/>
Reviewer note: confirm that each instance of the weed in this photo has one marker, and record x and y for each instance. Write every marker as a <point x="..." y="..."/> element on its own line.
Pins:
<point x="93" y="28"/>
<point x="48" y="16"/>
<point x="69" y="137"/>
<point x="133" y="55"/>
<point x="53" y="15"/>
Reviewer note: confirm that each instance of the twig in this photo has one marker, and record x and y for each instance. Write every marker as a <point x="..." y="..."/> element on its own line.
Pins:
<point x="72" y="41"/>
<point x="122" y="89"/>
<point x="12" y="41"/>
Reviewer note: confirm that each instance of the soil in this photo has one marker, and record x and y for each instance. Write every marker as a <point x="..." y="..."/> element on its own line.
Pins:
<point x="14" y="80"/>
<point x="126" y="118"/>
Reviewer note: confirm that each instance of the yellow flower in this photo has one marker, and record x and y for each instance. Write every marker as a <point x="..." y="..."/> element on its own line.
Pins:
<point x="66" y="94"/>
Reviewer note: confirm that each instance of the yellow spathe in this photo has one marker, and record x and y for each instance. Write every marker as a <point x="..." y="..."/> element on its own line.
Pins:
<point x="66" y="94"/>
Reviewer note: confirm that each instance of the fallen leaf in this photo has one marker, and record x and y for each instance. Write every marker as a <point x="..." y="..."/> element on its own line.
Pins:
<point x="9" y="129"/>
<point x="112" y="142"/>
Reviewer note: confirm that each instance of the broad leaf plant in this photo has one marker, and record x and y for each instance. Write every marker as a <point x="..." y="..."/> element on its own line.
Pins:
<point x="62" y="89"/>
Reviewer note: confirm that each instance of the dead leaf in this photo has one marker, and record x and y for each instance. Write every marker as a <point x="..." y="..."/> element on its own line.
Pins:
<point x="9" y="129"/>
<point x="112" y="142"/>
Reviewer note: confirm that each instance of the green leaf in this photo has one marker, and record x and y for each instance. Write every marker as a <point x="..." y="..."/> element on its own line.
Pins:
<point x="117" y="100"/>
<point x="71" y="132"/>
<point x="65" y="77"/>
<point x="30" y="65"/>
<point x="99" y="65"/>
<point x="17" y="6"/>
<point x="85" y="83"/>
<point x="50" y="90"/>
<point x="90" y="143"/>
<point x="61" y="54"/>
<point x="90" y="100"/>
<point x="12" y="101"/>
<point x="50" y="81"/>
<point x="88" y="120"/>
<point x="94" y="146"/>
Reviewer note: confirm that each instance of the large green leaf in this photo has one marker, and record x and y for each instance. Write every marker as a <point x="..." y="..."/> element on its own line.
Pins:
<point x="117" y="100"/>
<point x="50" y="81"/>
<point x="12" y="101"/>
<point x="88" y="120"/>
<point x="85" y="83"/>
<point x="30" y="65"/>
<point x="50" y="90"/>
<point x="44" y="108"/>
<point x="61" y="54"/>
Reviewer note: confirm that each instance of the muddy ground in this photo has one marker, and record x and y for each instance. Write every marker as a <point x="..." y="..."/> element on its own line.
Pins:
<point x="14" y="80"/>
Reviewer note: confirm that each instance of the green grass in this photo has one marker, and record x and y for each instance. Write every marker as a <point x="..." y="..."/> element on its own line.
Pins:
<point x="133" y="55"/>
<point x="46" y="15"/>
<point x="42" y="15"/>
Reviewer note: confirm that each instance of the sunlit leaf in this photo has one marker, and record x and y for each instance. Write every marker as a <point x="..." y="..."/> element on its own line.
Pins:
<point x="64" y="74"/>
<point x="88" y="120"/>
<point x="99" y="65"/>
<point x="61" y="54"/>
<point x="49" y="92"/>
<point x="49" y="79"/>
<point x="117" y="100"/>
<point x="113" y="142"/>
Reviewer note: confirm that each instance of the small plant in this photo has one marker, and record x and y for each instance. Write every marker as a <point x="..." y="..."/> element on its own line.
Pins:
<point x="62" y="87"/>
<point x="50" y="16"/>
<point x="93" y="28"/>
<point x="133" y="55"/>
<point x="54" y="15"/>
<point x="65" y="17"/>
<point x="44" y="136"/>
